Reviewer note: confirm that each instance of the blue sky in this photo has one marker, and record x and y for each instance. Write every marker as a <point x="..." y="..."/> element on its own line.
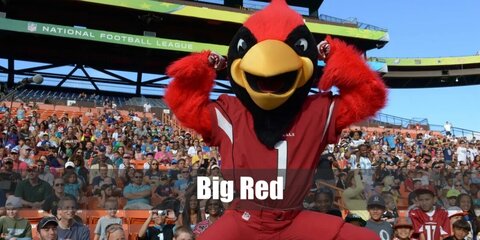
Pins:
<point x="424" y="28"/>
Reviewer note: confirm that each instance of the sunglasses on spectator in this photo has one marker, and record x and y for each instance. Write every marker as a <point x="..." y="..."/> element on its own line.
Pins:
<point x="59" y="184"/>
<point x="138" y="176"/>
<point x="185" y="172"/>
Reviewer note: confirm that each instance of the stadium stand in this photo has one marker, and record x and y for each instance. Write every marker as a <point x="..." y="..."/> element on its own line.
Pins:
<point x="416" y="157"/>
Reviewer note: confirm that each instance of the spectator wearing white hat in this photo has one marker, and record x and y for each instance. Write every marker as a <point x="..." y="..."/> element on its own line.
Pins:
<point x="455" y="213"/>
<point x="18" y="166"/>
<point x="25" y="155"/>
<point x="12" y="226"/>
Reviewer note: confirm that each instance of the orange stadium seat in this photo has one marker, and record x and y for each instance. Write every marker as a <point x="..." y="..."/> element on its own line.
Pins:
<point x="136" y="218"/>
<point x="33" y="215"/>
<point x="138" y="164"/>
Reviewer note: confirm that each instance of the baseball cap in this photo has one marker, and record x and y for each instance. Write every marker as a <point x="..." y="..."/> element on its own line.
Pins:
<point x="403" y="222"/>
<point x="352" y="217"/>
<point x="214" y="166"/>
<point x="453" y="193"/>
<point x="14" y="150"/>
<point x="46" y="220"/>
<point x="69" y="164"/>
<point x="126" y="155"/>
<point x="14" y="202"/>
<point x="102" y="149"/>
<point x="455" y="211"/>
<point x="376" y="200"/>
<point x="174" y="161"/>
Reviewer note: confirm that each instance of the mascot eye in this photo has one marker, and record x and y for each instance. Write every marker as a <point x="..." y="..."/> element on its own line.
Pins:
<point x="301" y="44"/>
<point x="241" y="46"/>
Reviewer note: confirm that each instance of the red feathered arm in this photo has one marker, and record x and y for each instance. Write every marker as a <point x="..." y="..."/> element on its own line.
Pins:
<point x="188" y="94"/>
<point x="362" y="91"/>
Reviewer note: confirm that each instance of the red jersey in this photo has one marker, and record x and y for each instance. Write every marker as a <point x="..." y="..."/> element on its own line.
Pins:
<point x="432" y="225"/>
<point x="294" y="158"/>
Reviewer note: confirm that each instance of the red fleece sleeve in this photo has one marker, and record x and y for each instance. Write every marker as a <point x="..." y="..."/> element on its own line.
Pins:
<point x="362" y="91"/>
<point x="188" y="94"/>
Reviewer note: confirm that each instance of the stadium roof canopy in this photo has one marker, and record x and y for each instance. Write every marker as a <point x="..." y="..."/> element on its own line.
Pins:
<point x="431" y="72"/>
<point x="139" y="38"/>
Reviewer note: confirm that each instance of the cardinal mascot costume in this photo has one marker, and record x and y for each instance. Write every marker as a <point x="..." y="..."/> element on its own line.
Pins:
<point x="272" y="129"/>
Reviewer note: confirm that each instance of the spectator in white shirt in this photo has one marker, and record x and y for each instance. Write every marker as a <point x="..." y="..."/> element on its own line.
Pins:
<point x="448" y="129"/>
<point x="462" y="153"/>
<point x="359" y="158"/>
<point x="147" y="107"/>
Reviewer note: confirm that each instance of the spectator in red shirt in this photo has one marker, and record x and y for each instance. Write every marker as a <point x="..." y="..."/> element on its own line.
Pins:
<point x="429" y="221"/>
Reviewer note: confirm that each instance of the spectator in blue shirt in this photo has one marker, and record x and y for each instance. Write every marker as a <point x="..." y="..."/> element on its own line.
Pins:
<point x="137" y="193"/>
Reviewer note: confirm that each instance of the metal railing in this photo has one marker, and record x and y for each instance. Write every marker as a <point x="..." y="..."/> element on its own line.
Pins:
<point x="352" y="21"/>
<point x="399" y="121"/>
<point x="456" y="131"/>
<point x="394" y="121"/>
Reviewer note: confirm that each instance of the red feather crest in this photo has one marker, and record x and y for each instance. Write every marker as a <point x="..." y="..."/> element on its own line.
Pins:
<point x="275" y="21"/>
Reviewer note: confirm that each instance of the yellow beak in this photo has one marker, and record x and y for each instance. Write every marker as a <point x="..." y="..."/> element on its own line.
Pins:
<point x="269" y="63"/>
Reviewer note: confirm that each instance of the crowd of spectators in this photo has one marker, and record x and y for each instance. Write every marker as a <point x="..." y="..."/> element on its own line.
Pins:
<point x="62" y="163"/>
<point x="397" y="166"/>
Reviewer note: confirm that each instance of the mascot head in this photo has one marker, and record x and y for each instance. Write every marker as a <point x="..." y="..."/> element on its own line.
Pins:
<point x="272" y="64"/>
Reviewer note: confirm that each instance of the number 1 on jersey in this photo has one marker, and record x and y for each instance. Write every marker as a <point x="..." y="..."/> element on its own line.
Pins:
<point x="430" y="231"/>
<point x="282" y="160"/>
